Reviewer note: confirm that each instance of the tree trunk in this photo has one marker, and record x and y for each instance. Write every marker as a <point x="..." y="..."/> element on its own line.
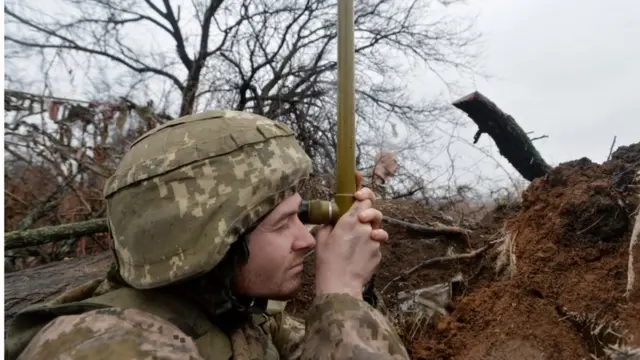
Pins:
<point x="188" y="98"/>
<point x="42" y="283"/>
<point x="189" y="94"/>
<point x="512" y="141"/>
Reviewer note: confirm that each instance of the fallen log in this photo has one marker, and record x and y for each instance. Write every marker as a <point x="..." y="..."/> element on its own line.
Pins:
<point x="511" y="140"/>
<point x="42" y="283"/>
<point x="47" y="234"/>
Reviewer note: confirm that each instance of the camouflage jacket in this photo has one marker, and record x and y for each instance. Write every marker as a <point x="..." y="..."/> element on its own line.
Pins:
<point x="133" y="324"/>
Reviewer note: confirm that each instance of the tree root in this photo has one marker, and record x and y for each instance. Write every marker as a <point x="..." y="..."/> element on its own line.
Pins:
<point x="436" y="261"/>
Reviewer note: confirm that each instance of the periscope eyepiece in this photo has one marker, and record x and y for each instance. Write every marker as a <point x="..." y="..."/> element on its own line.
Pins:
<point x="303" y="212"/>
<point x="318" y="212"/>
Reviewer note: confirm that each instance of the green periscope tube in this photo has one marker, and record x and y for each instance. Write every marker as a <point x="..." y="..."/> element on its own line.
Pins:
<point x="320" y="212"/>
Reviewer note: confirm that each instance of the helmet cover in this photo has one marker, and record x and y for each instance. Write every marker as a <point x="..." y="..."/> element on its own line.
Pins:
<point x="187" y="189"/>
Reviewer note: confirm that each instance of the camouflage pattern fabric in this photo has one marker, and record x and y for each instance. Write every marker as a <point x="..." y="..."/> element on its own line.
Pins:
<point x="111" y="334"/>
<point x="187" y="189"/>
<point x="179" y="198"/>
<point x="337" y="326"/>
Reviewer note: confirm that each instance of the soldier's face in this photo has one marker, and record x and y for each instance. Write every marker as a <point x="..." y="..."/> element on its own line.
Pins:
<point x="276" y="250"/>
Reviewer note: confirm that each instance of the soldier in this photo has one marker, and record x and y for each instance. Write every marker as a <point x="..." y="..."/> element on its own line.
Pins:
<point x="203" y="215"/>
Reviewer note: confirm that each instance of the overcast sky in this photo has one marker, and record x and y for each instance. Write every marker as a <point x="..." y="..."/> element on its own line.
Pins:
<point x="569" y="69"/>
<point x="566" y="68"/>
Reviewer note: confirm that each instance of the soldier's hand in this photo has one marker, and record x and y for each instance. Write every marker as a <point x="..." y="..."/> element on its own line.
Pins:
<point x="359" y="179"/>
<point x="371" y="215"/>
<point x="375" y="218"/>
<point x="348" y="254"/>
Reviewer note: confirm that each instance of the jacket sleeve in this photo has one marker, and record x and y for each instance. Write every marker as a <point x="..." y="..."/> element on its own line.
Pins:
<point x="111" y="333"/>
<point x="337" y="326"/>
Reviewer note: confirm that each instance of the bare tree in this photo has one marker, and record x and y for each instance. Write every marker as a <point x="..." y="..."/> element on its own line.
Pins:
<point x="56" y="160"/>
<point x="275" y="58"/>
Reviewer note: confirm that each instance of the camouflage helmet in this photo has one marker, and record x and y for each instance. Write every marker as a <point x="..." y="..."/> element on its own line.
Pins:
<point x="186" y="190"/>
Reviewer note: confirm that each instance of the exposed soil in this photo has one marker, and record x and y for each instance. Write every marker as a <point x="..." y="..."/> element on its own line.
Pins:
<point x="572" y="248"/>
<point x="571" y="234"/>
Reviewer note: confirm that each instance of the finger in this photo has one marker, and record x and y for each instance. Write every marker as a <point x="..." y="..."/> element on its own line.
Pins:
<point x="363" y="201"/>
<point x="365" y="194"/>
<point x="323" y="233"/>
<point x="359" y="178"/>
<point x="371" y="216"/>
<point x="379" y="235"/>
<point x="358" y="207"/>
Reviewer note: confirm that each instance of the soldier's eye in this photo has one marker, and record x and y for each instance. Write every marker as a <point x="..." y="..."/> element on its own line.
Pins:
<point x="287" y="222"/>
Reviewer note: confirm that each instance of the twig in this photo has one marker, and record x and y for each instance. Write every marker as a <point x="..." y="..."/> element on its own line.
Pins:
<point x="36" y="215"/>
<point x="613" y="143"/>
<point x="539" y="137"/>
<point x="80" y="197"/>
<point x="435" y="261"/>
<point x="15" y="197"/>
<point x="31" y="96"/>
<point x="98" y="242"/>
<point x="592" y="225"/>
<point x="431" y="230"/>
<point x="45" y="206"/>
<point x="635" y="236"/>
<point x="409" y="193"/>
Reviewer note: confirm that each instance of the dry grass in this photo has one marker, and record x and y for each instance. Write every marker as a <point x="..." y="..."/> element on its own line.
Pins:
<point x="421" y="309"/>
<point x="505" y="262"/>
<point x="604" y="338"/>
<point x="635" y="234"/>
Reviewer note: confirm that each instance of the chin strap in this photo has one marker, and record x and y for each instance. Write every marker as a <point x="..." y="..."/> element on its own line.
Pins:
<point x="229" y="301"/>
<point x="245" y="305"/>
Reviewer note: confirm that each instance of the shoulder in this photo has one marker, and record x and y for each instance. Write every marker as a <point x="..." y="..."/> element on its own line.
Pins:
<point x="349" y="327"/>
<point x="111" y="333"/>
<point x="352" y="328"/>
<point x="286" y="333"/>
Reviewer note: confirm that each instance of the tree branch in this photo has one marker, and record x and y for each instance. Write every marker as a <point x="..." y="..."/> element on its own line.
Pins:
<point x="21" y="239"/>
<point x="512" y="141"/>
<point x="428" y="230"/>
<point x="176" y="32"/>
<point x="72" y="45"/>
<point x="435" y="261"/>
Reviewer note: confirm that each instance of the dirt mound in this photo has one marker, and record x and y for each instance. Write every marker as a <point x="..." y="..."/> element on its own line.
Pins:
<point x="628" y="155"/>
<point x="564" y="296"/>
<point x="571" y="241"/>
